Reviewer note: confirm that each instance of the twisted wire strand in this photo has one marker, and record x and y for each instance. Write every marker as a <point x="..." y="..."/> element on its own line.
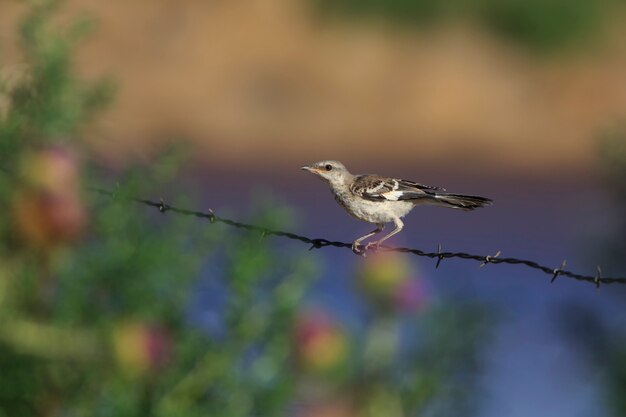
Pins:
<point x="318" y="243"/>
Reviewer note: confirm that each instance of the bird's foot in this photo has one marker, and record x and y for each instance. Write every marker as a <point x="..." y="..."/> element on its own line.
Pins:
<point x="363" y="250"/>
<point x="373" y="246"/>
<point x="357" y="248"/>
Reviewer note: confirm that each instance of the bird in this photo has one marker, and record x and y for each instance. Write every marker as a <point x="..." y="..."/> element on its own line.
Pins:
<point x="379" y="200"/>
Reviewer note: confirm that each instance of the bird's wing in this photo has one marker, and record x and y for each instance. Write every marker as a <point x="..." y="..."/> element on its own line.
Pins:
<point x="413" y="185"/>
<point x="376" y="188"/>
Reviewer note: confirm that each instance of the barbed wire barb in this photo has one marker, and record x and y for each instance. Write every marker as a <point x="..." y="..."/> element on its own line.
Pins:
<point x="558" y="270"/>
<point x="318" y="243"/>
<point x="489" y="258"/>
<point x="162" y="206"/>
<point x="439" y="256"/>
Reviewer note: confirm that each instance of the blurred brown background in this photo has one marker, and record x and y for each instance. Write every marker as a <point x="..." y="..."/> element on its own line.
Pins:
<point x="271" y="83"/>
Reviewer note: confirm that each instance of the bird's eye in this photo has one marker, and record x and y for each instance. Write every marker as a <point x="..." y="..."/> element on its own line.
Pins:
<point x="328" y="167"/>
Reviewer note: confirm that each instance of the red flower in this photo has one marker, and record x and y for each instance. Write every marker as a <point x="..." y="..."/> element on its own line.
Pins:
<point x="389" y="281"/>
<point x="320" y="343"/>
<point x="47" y="208"/>
<point x="141" y="349"/>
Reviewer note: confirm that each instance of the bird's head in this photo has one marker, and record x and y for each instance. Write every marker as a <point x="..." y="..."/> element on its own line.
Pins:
<point x="332" y="171"/>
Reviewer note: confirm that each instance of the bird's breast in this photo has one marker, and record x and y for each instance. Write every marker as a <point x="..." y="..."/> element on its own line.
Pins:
<point x="372" y="211"/>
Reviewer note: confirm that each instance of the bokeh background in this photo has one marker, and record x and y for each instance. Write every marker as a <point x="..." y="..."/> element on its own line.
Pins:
<point x="110" y="309"/>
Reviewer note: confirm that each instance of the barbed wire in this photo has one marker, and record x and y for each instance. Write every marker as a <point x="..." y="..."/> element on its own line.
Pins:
<point x="318" y="243"/>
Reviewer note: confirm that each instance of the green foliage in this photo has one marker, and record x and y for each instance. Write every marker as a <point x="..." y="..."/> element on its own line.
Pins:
<point x="612" y="146"/>
<point x="617" y="380"/>
<point x="544" y="25"/>
<point x="538" y="24"/>
<point x="95" y="291"/>
<point x="48" y="104"/>
<point x="115" y="298"/>
<point x="613" y="157"/>
<point x="439" y="373"/>
<point x="602" y="341"/>
<point x="133" y="267"/>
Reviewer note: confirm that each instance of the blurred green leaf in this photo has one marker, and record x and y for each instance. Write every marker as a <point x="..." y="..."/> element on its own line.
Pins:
<point x="542" y="25"/>
<point x="120" y="295"/>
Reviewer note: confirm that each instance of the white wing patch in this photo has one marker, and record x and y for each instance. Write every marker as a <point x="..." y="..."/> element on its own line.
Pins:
<point x="386" y="189"/>
<point x="393" y="195"/>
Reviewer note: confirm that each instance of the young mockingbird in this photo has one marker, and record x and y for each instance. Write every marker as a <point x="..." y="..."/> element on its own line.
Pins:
<point x="381" y="200"/>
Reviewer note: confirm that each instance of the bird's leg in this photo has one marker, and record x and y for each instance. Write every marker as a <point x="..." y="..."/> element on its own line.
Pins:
<point x="355" y="244"/>
<point x="399" y="226"/>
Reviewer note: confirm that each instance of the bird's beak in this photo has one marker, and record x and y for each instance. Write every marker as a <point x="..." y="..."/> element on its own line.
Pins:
<point x="308" y="168"/>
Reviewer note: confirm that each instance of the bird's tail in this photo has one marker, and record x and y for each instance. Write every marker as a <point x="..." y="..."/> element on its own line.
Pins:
<point x="459" y="201"/>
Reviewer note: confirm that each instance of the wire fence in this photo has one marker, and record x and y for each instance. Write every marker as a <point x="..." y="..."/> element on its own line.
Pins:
<point x="318" y="243"/>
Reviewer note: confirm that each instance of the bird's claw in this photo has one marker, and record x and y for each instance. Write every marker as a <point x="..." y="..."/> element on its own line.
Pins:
<point x="372" y="245"/>
<point x="362" y="250"/>
<point x="356" y="248"/>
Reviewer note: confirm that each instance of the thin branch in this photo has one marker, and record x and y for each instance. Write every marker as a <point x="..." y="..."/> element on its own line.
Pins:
<point x="318" y="243"/>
